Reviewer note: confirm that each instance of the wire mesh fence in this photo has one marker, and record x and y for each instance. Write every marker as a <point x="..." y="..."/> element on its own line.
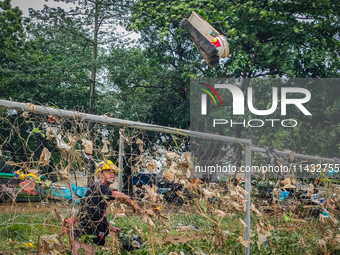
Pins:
<point x="192" y="194"/>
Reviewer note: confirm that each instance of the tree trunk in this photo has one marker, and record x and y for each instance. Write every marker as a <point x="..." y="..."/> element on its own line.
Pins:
<point x="239" y="128"/>
<point x="92" y="166"/>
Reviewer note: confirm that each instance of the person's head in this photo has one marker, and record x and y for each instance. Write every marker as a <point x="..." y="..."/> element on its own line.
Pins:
<point x="106" y="172"/>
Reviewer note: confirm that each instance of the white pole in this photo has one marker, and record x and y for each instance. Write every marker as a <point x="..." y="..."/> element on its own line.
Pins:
<point x="248" y="186"/>
<point x="120" y="160"/>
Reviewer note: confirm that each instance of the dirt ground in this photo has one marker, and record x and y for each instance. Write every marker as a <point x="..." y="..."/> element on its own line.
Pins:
<point x="63" y="208"/>
<point x="180" y="238"/>
<point x="34" y="207"/>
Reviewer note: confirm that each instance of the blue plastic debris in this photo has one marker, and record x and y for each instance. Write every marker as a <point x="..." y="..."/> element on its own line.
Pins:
<point x="79" y="191"/>
<point x="325" y="213"/>
<point x="65" y="193"/>
<point x="283" y="195"/>
<point x="330" y="173"/>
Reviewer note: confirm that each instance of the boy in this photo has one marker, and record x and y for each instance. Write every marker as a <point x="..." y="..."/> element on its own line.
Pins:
<point x="91" y="218"/>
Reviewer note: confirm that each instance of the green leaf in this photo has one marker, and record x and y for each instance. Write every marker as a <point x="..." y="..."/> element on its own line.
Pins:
<point x="287" y="219"/>
<point x="202" y="203"/>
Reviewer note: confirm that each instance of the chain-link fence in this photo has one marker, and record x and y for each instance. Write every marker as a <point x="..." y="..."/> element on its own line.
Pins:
<point x="193" y="190"/>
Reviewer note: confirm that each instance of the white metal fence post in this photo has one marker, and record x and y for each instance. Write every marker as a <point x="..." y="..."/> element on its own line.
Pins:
<point x="248" y="186"/>
<point x="120" y="160"/>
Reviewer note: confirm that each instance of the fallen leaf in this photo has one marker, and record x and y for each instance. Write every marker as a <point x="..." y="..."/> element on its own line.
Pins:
<point x="44" y="157"/>
<point x="291" y="154"/>
<point x="241" y="190"/>
<point x="333" y="220"/>
<point x="257" y="212"/>
<point x="51" y="132"/>
<point x="220" y="213"/>
<point x="322" y="243"/>
<point x="328" y="235"/>
<point x="245" y="243"/>
<point x="310" y="190"/>
<point x="140" y="145"/>
<point x="65" y="174"/>
<point x="152" y="166"/>
<point x="242" y="223"/>
<point x="30" y="106"/>
<point x="105" y="147"/>
<point x="239" y="208"/>
<point x="25" y="115"/>
<point x="49" y="243"/>
<point x="302" y="241"/>
<point x="262" y="232"/>
<point x="151" y="193"/>
<point x="337" y="238"/>
<point x="170" y="156"/>
<point x="287" y="182"/>
<point x="87" y="145"/>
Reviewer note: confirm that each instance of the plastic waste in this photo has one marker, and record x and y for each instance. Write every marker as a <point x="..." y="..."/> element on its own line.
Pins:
<point x="65" y="193"/>
<point x="208" y="41"/>
<point x="283" y="195"/>
<point x="131" y="243"/>
<point x="326" y="213"/>
<point x="61" y="144"/>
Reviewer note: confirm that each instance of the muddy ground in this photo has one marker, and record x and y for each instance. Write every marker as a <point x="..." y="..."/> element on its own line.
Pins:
<point x="63" y="208"/>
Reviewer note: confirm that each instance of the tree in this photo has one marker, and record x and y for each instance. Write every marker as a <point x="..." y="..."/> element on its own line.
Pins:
<point x="34" y="70"/>
<point x="150" y="82"/>
<point x="266" y="38"/>
<point x="91" y="25"/>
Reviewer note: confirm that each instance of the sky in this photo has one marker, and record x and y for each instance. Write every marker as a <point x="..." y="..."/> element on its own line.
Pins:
<point x="24" y="5"/>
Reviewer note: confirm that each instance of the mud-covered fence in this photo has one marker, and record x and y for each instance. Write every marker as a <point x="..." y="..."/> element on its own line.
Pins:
<point x="51" y="153"/>
<point x="48" y="156"/>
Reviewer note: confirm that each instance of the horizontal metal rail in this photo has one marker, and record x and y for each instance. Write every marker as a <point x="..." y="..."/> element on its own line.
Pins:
<point x="296" y="155"/>
<point x="144" y="126"/>
<point x="117" y="122"/>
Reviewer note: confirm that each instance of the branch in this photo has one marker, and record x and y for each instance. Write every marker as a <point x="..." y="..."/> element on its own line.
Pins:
<point x="114" y="39"/>
<point x="200" y="68"/>
<point x="104" y="4"/>
<point x="261" y="134"/>
<point x="255" y="53"/>
<point x="100" y="22"/>
<point x="269" y="73"/>
<point x="80" y="35"/>
<point x="243" y="85"/>
<point x="147" y="87"/>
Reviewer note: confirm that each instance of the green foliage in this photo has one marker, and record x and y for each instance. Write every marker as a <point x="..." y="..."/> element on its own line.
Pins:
<point x="282" y="240"/>
<point x="297" y="39"/>
<point x="33" y="69"/>
<point x="150" y="87"/>
<point x="50" y="59"/>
